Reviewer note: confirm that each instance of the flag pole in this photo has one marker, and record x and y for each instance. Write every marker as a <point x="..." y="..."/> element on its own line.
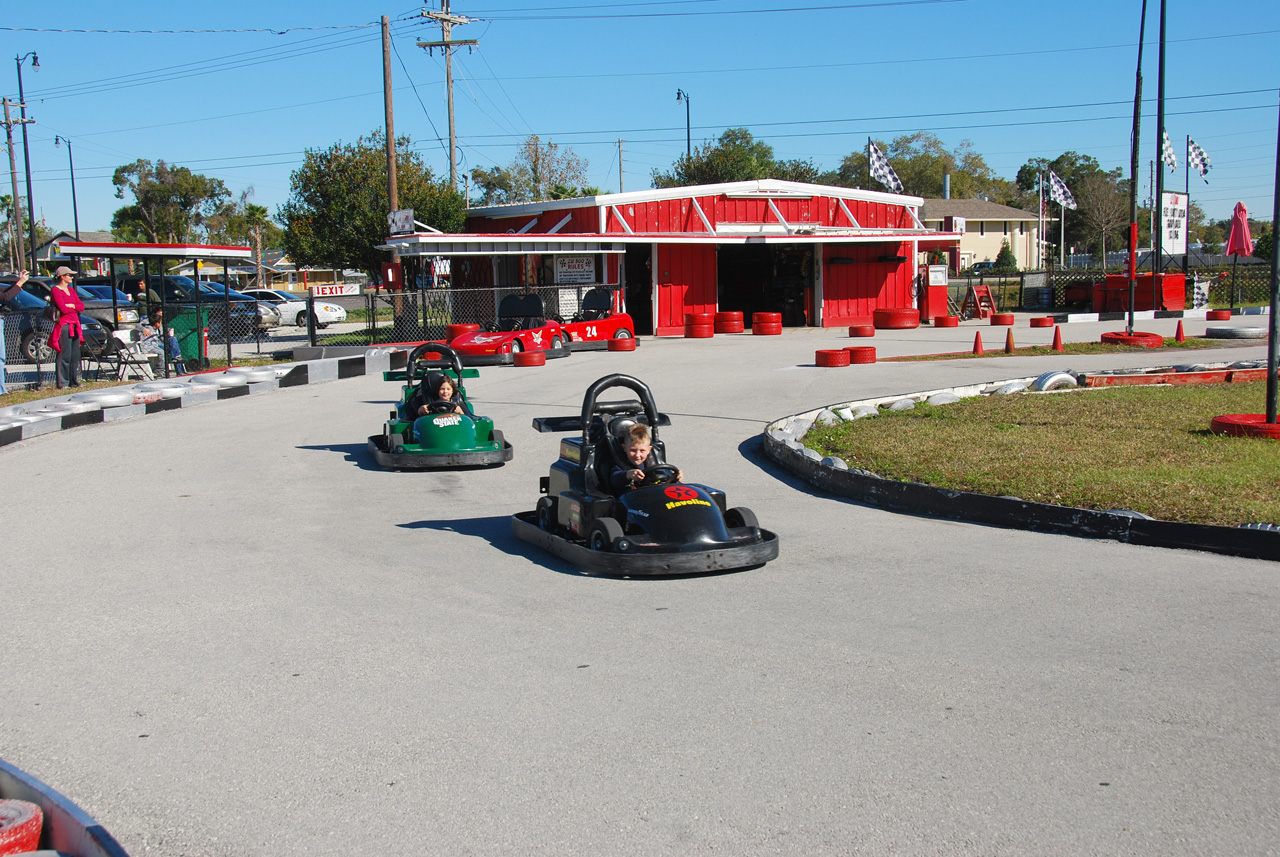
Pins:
<point x="1040" y="215"/>
<point x="1273" y="340"/>
<point x="1186" y="231"/>
<point x="1133" y="172"/>
<point x="1157" y="270"/>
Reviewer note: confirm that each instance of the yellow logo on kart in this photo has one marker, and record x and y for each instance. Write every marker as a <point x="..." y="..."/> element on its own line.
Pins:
<point x="676" y="503"/>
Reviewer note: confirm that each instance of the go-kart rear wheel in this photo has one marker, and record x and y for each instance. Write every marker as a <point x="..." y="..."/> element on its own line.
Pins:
<point x="622" y="333"/>
<point x="604" y="532"/>
<point x="556" y="343"/>
<point x="740" y="516"/>
<point x="516" y="346"/>
<point x="546" y="513"/>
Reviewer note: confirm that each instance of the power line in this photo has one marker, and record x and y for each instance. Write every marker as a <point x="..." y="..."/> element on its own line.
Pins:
<point x="788" y="11"/>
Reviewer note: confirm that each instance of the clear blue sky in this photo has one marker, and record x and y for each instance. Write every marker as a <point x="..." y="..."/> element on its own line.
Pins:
<point x="1019" y="79"/>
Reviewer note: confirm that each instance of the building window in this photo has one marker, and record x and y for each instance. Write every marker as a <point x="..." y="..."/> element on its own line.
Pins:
<point x="1006" y="227"/>
<point x="1022" y="228"/>
<point x="982" y="227"/>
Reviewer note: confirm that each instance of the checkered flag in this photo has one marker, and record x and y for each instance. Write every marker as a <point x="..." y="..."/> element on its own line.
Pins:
<point x="880" y="169"/>
<point x="1059" y="193"/>
<point x="1168" y="155"/>
<point x="1198" y="159"/>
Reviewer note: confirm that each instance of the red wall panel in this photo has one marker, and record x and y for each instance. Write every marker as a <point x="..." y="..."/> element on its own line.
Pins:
<point x="686" y="283"/>
<point x="851" y="290"/>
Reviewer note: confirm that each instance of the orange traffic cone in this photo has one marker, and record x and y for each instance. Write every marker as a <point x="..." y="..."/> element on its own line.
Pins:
<point x="1008" y="341"/>
<point x="977" y="342"/>
<point x="1181" y="335"/>
<point x="1057" y="338"/>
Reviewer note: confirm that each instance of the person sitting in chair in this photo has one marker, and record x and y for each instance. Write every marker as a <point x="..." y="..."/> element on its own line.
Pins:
<point x="152" y="331"/>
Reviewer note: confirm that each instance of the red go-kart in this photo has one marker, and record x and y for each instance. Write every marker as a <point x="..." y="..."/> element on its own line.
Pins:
<point x="521" y="326"/>
<point x="595" y="322"/>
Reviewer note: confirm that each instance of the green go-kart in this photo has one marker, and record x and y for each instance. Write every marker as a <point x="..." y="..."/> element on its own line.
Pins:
<point x="449" y="434"/>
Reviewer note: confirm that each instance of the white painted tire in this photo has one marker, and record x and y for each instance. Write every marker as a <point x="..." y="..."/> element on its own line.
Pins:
<point x="1054" y="381"/>
<point x="254" y="374"/>
<point x="1236" y="332"/>
<point x="166" y="389"/>
<point x="226" y="379"/>
<point x="1010" y="388"/>
<point x="112" y="398"/>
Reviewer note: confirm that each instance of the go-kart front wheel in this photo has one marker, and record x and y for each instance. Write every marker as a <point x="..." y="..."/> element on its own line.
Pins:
<point x="740" y="516"/>
<point x="605" y="532"/>
<point x="546" y="513"/>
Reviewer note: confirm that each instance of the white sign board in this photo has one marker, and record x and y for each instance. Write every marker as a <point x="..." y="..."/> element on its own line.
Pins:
<point x="335" y="291"/>
<point x="937" y="275"/>
<point x="401" y="221"/>
<point x="1173" y="222"/>
<point x="578" y="268"/>
<point x="957" y="224"/>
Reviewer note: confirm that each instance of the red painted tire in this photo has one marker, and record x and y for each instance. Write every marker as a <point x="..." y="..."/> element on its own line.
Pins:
<point x="453" y="331"/>
<point x="946" y="321"/>
<point x="1146" y="340"/>
<point x="1042" y="321"/>
<point x="859" y="354"/>
<point x="628" y="344"/>
<point x="728" y="315"/>
<point x="1001" y="319"/>
<point x="20" y="824"/>
<point x="530" y="358"/>
<point x="699" y="331"/>
<point x="1245" y="425"/>
<point x="1218" y="315"/>
<point x="896" y="319"/>
<point x="862" y="330"/>
<point x="729" y="327"/>
<point x="699" y="318"/>
<point x="766" y="318"/>
<point x="762" y="329"/>
<point x="831" y="357"/>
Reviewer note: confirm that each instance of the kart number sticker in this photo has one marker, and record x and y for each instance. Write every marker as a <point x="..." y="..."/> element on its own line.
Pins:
<point x="591" y="331"/>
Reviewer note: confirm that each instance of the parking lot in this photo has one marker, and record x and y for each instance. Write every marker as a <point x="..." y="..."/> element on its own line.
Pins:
<point x="228" y="633"/>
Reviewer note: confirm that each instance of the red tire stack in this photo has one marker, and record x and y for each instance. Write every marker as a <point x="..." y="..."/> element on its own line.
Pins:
<point x="628" y="344"/>
<point x="699" y="325"/>
<point x="728" y="322"/>
<point x="1042" y="321"/>
<point x="1001" y="319"/>
<point x="831" y="357"/>
<point x="766" y="323"/>
<point x="903" y="318"/>
<point x="20" y="825"/>
<point x="861" y="354"/>
<point x="530" y="358"/>
<point x="862" y="330"/>
<point x="1218" y="315"/>
<point x="453" y="331"/>
<point x="946" y="321"/>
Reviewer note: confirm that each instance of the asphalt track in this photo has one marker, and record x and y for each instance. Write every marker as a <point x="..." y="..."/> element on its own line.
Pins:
<point x="226" y="633"/>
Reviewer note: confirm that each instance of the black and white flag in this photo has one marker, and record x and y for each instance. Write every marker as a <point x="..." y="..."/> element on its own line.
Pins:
<point x="1168" y="155"/>
<point x="1059" y="193"/>
<point x="1198" y="159"/>
<point x="880" y="169"/>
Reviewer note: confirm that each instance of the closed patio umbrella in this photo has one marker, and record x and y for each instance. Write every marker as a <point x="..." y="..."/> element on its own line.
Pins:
<point x="1239" y="243"/>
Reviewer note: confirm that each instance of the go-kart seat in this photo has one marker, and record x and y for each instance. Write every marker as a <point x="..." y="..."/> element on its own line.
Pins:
<point x="597" y="304"/>
<point x="520" y="312"/>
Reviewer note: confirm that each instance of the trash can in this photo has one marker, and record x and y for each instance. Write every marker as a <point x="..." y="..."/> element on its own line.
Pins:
<point x="189" y="325"/>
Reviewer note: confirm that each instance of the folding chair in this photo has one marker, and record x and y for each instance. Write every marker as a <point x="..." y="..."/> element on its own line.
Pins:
<point x="131" y="359"/>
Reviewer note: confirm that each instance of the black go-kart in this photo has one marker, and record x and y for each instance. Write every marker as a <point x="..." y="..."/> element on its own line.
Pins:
<point x="442" y="438"/>
<point x="662" y="527"/>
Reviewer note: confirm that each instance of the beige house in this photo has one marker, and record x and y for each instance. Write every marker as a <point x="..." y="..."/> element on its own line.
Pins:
<point x="987" y="225"/>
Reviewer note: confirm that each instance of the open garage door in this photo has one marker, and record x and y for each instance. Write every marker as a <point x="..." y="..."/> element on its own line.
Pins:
<point x="766" y="278"/>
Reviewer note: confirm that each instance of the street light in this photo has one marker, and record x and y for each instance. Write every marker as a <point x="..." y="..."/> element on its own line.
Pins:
<point x="75" y="212"/>
<point x="681" y="95"/>
<point x="26" y="151"/>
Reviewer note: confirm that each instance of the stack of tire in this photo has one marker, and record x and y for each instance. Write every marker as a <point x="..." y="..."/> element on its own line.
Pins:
<point x="766" y="323"/>
<point x="699" y="325"/>
<point x="729" y="322"/>
<point x="899" y="318"/>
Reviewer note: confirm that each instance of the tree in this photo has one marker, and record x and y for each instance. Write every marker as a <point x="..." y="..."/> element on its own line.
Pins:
<point x="242" y="222"/>
<point x="735" y="157"/>
<point x="1104" y="207"/>
<point x="1265" y="245"/>
<point x="170" y="204"/>
<point x="336" y="215"/>
<point x="537" y="171"/>
<point x="921" y="160"/>
<point x="1072" y="168"/>
<point x="1005" y="262"/>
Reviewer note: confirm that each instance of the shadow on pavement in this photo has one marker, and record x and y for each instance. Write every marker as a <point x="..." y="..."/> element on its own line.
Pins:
<point x="356" y="453"/>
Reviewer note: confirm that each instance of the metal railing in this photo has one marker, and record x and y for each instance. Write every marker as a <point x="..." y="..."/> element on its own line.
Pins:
<point x="1066" y="289"/>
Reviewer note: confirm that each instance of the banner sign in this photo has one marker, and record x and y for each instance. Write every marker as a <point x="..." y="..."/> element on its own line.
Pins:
<point x="577" y="268"/>
<point x="1173" y="222"/>
<point x="335" y="291"/>
<point x="401" y="221"/>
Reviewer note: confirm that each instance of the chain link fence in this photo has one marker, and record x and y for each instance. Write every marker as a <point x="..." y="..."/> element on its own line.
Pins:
<point x="1071" y="289"/>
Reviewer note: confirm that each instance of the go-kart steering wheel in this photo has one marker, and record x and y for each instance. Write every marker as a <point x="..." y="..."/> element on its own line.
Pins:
<point x="660" y="474"/>
<point x="440" y="407"/>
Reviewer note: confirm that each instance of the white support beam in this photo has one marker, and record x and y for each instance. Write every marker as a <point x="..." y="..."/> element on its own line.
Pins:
<point x="527" y="226"/>
<point x="914" y="218"/>
<point x="849" y="214"/>
<point x="781" y="219"/>
<point x="702" y="214"/>
<point x="561" y="225"/>
<point x="618" y="214"/>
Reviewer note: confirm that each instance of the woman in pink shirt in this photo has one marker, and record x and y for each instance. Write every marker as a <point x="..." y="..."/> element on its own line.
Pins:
<point x="67" y="336"/>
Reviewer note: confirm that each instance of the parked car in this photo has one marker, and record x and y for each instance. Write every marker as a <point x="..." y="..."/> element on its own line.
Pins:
<point x="27" y="321"/>
<point x="268" y="316"/>
<point x="182" y="291"/>
<point x="982" y="267"/>
<point x="293" y="307"/>
<point x="118" y="318"/>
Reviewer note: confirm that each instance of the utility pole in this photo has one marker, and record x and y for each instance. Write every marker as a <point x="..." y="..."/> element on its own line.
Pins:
<point x="447" y="44"/>
<point x="13" y="174"/>
<point x="392" y="195"/>
<point x="619" y="166"/>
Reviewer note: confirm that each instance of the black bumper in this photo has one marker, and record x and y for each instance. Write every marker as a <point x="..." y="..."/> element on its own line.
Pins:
<point x="435" y="461"/>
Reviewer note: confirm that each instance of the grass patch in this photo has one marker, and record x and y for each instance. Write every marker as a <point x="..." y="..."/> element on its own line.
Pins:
<point x="1148" y="449"/>
<point x="994" y="349"/>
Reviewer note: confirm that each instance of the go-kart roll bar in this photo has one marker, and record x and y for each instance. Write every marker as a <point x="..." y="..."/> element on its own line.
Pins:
<point x="635" y="385"/>
<point x="453" y="357"/>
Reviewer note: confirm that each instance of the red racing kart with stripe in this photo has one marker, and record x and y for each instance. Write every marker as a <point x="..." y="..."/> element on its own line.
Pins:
<point x="521" y="326"/>
<point x="596" y="322"/>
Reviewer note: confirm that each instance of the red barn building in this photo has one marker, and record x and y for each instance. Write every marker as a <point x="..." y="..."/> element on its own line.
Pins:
<point x="821" y="256"/>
